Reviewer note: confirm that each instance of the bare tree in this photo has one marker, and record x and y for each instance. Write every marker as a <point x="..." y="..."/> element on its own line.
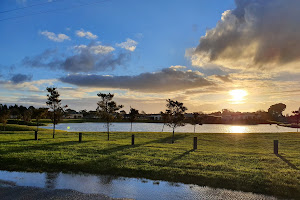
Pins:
<point x="107" y="109"/>
<point x="132" y="116"/>
<point x="54" y="104"/>
<point x="175" y="115"/>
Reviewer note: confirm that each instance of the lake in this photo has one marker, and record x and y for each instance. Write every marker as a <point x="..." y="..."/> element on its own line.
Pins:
<point x="122" y="187"/>
<point x="158" y="127"/>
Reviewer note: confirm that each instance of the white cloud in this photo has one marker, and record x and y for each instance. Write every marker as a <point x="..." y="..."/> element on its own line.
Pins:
<point x="55" y="37"/>
<point x="129" y="44"/>
<point x="86" y="34"/>
<point x="96" y="49"/>
<point x="177" y="67"/>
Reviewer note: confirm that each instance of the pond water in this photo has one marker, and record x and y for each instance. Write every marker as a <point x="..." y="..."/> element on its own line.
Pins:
<point x="158" y="127"/>
<point x="121" y="187"/>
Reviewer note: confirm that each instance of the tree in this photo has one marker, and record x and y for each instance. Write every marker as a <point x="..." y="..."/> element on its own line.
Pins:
<point x="132" y="116"/>
<point x="39" y="114"/>
<point x="54" y="104"/>
<point x="196" y="119"/>
<point x="4" y="115"/>
<point x="107" y="109"/>
<point x="297" y="114"/>
<point x="175" y="115"/>
<point x="275" y="111"/>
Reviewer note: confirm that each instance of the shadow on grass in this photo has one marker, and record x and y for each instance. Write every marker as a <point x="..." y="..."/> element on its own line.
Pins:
<point x="179" y="157"/>
<point x="287" y="162"/>
<point x="124" y="147"/>
<point x="37" y="146"/>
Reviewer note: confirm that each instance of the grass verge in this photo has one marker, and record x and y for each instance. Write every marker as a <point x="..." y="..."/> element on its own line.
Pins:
<point x="234" y="161"/>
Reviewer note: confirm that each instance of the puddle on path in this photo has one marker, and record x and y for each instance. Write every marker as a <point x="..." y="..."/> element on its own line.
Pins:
<point x="120" y="187"/>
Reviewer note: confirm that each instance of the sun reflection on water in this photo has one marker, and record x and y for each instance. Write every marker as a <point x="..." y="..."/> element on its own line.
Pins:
<point x="237" y="129"/>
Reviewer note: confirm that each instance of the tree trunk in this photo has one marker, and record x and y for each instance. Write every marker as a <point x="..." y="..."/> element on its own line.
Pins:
<point x="53" y="130"/>
<point x="108" y="131"/>
<point x="37" y="125"/>
<point x="131" y="127"/>
<point x="163" y="128"/>
<point x="194" y="128"/>
<point x="173" y="137"/>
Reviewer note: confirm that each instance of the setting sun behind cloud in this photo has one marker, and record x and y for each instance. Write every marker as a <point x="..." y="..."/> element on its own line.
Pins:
<point x="238" y="96"/>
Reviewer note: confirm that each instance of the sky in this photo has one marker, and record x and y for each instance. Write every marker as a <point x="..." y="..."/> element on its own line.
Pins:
<point x="211" y="55"/>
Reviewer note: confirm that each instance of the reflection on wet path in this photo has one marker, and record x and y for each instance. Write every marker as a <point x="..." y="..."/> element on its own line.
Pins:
<point x="120" y="187"/>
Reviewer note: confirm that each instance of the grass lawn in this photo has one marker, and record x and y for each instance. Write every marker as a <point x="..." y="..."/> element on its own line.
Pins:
<point x="236" y="161"/>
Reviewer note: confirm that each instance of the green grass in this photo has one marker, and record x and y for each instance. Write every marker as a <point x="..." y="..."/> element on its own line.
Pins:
<point x="235" y="161"/>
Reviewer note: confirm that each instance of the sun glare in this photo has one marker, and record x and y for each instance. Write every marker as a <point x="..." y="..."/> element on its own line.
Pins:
<point x="238" y="96"/>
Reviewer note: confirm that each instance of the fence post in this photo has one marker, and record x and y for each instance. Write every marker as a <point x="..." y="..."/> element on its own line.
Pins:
<point x="35" y="135"/>
<point x="132" y="139"/>
<point x="195" y="143"/>
<point x="80" y="137"/>
<point x="275" y="146"/>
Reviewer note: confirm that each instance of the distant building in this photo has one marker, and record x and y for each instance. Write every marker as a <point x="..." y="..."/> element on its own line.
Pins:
<point x="155" y="117"/>
<point x="74" y="116"/>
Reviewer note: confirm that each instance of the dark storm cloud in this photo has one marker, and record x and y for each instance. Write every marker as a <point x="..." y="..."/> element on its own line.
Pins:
<point x="166" y="80"/>
<point x="90" y="58"/>
<point x="20" y="78"/>
<point x="257" y="33"/>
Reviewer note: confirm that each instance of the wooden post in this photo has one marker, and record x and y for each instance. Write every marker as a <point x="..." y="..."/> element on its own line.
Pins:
<point x="275" y="146"/>
<point x="132" y="139"/>
<point x="195" y="143"/>
<point x="35" y="135"/>
<point x="80" y="137"/>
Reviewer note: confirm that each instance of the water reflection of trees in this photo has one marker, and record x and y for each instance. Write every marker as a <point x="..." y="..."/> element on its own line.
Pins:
<point x="51" y="180"/>
<point x="107" y="179"/>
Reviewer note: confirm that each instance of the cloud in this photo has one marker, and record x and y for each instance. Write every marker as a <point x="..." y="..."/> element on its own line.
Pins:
<point x="20" y="78"/>
<point x="86" y="34"/>
<point x="257" y="33"/>
<point x="177" y="67"/>
<point x="86" y="58"/>
<point x="55" y="37"/>
<point x="95" y="49"/>
<point x="167" y="80"/>
<point x="129" y="44"/>
<point x="224" y="78"/>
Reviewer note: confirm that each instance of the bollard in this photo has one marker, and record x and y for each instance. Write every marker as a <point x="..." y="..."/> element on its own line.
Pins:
<point x="80" y="137"/>
<point x="132" y="140"/>
<point x="35" y="135"/>
<point x="275" y="146"/>
<point x="195" y="143"/>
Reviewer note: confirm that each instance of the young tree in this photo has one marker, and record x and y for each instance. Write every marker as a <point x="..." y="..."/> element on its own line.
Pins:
<point x="107" y="109"/>
<point x="175" y="115"/>
<point x="132" y="116"/>
<point x="39" y="114"/>
<point x="54" y="104"/>
<point x="297" y="114"/>
<point x="4" y="115"/>
<point x="196" y="120"/>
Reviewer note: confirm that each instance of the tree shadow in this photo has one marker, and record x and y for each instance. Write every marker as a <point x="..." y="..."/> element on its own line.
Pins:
<point x="179" y="157"/>
<point x="287" y="162"/>
<point x="129" y="146"/>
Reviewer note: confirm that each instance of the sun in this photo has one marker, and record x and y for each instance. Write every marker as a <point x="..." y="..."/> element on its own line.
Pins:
<point x="238" y="96"/>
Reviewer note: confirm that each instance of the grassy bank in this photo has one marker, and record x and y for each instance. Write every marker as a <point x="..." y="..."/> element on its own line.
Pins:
<point x="235" y="161"/>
